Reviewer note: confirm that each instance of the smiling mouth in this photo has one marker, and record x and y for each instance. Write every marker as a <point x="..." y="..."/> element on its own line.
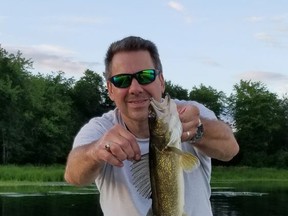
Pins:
<point x="138" y="101"/>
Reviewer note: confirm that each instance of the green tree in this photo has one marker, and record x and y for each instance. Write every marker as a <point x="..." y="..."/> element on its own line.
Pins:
<point x="258" y="116"/>
<point x="51" y="119"/>
<point x="13" y="74"/>
<point x="211" y="98"/>
<point x="90" y="97"/>
<point x="47" y="120"/>
<point x="176" y="91"/>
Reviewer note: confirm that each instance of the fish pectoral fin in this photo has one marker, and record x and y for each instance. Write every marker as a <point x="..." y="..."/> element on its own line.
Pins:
<point x="187" y="160"/>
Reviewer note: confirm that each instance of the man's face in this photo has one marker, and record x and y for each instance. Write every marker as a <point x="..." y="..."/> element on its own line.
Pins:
<point x="134" y="100"/>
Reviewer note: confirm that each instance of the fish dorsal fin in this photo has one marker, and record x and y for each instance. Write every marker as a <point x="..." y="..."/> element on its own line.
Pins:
<point x="188" y="161"/>
<point x="141" y="176"/>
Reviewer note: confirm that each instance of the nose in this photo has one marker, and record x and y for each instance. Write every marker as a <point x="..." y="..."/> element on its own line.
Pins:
<point x="135" y="87"/>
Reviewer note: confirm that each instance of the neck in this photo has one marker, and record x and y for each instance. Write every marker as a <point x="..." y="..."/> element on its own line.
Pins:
<point x="139" y="130"/>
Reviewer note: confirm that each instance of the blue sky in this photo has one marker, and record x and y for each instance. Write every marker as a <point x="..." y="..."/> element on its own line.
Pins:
<point x="216" y="43"/>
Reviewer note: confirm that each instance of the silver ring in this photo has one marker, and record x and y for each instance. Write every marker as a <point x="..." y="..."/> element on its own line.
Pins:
<point x="199" y="122"/>
<point x="107" y="147"/>
<point x="188" y="134"/>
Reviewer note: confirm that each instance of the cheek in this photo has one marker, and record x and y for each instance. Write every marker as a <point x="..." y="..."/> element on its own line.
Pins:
<point x="117" y="94"/>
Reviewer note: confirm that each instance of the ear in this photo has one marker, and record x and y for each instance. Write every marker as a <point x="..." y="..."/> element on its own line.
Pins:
<point x="110" y="91"/>
<point x="162" y="82"/>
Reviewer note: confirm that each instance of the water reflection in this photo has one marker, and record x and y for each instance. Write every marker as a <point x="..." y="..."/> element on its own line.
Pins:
<point x="50" y="205"/>
<point x="56" y="200"/>
<point x="247" y="203"/>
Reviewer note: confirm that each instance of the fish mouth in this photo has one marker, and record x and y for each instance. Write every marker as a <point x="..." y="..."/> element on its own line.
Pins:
<point x="160" y="106"/>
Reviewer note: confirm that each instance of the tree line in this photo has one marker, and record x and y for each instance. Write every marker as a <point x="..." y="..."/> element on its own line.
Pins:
<point x="40" y="114"/>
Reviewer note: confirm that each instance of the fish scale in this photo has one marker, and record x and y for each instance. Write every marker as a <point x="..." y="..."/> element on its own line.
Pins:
<point x="165" y="161"/>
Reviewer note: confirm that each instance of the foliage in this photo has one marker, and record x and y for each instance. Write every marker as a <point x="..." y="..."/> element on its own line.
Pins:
<point x="30" y="173"/>
<point x="258" y="116"/>
<point x="210" y="97"/>
<point x="40" y="114"/>
<point x="90" y="97"/>
<point x="176" y="91"/>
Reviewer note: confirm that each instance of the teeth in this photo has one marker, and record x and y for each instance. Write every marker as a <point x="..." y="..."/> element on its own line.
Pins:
<point x="142" y="101"/>
<point x="138" y="102"/>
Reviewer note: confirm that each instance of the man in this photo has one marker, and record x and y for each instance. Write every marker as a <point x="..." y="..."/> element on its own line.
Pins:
<point x="104" y="148"/>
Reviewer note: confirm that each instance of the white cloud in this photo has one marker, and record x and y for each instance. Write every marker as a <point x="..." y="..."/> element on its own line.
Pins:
<point x="176" y="6"/>
<point x="276" y="82"/>
<point x="181" y="10"/>
<point x="255" y="19"/>
<point x="279" y="18"/>
<point x="264" y="37"/>
<point x="283" y="29"/>
<point x="276" y="29"/>
<point x="263" y="76"/>
<point x="268" y="39"/>
<point x="47" y="58"/>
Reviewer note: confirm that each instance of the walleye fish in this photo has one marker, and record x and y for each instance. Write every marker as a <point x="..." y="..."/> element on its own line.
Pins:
<point x="165" y="161"/>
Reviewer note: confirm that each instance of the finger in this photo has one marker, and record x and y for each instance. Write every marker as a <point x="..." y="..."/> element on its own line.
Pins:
<point x="187" y="135"/>
<point x="181" y="109"/>
<point x="188" y="126"/>
<point x="119" y="150"/>
<point x="111" y="159"/>
<point x="125" y="145"/>
<point x="190" y="112"/>
<point x="189" y="130"/>
<point x="130" y="145"/>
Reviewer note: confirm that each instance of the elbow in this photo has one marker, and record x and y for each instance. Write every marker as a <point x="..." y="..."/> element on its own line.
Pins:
<point x="68" y="177"/>
<point x="77" y="179"/>
<point x="71" y="181"/>
<point x="231" y="152"/>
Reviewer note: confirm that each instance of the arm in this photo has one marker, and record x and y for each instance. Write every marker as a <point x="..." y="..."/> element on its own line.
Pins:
<point x="81" y="169"/>
<point x="85" y="162"/>
<point x="218" y="140"/>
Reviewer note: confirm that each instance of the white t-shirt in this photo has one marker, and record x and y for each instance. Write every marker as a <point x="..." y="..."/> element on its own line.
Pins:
<point x="118" y="196"/>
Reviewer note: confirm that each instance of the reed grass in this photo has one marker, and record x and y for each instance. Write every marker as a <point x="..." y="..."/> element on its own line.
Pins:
<point x="30" y="173"/>
<point x="227" y="176"/>
<point x="248" y="173"/>
<point x="248" y="177"/>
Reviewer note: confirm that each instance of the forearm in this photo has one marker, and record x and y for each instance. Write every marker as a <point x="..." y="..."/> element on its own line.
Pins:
<point x="218" y="141"/>
<point x="81" y="168"/>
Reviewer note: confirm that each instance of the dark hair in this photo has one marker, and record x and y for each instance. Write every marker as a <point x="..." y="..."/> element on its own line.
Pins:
<point x="131" y="43"/>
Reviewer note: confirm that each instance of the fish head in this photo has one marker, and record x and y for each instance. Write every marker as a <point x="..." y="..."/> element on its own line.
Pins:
<point x="164" y="122"/>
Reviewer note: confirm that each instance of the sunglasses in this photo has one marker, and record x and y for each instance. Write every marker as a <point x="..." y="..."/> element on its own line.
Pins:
<point x="143" y="77"/>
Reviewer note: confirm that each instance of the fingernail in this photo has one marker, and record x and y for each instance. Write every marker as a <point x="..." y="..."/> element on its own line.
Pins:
<point x="182" y="110"/>
<point x="137" y="157"/>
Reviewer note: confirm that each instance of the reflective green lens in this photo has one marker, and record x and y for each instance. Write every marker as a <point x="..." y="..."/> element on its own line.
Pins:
<point x="122" y="80"/>
<point x="143" y="77"/>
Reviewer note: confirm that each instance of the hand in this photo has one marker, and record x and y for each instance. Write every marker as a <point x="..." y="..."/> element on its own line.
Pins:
<point x="117" y="145"/>
<point x="189" y="116"/>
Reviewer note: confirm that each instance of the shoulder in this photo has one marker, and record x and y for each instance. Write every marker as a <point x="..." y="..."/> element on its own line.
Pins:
<point x="95" y="128"/>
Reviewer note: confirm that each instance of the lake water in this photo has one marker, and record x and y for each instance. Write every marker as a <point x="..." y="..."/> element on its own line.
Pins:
<point x="56" y="200"/>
